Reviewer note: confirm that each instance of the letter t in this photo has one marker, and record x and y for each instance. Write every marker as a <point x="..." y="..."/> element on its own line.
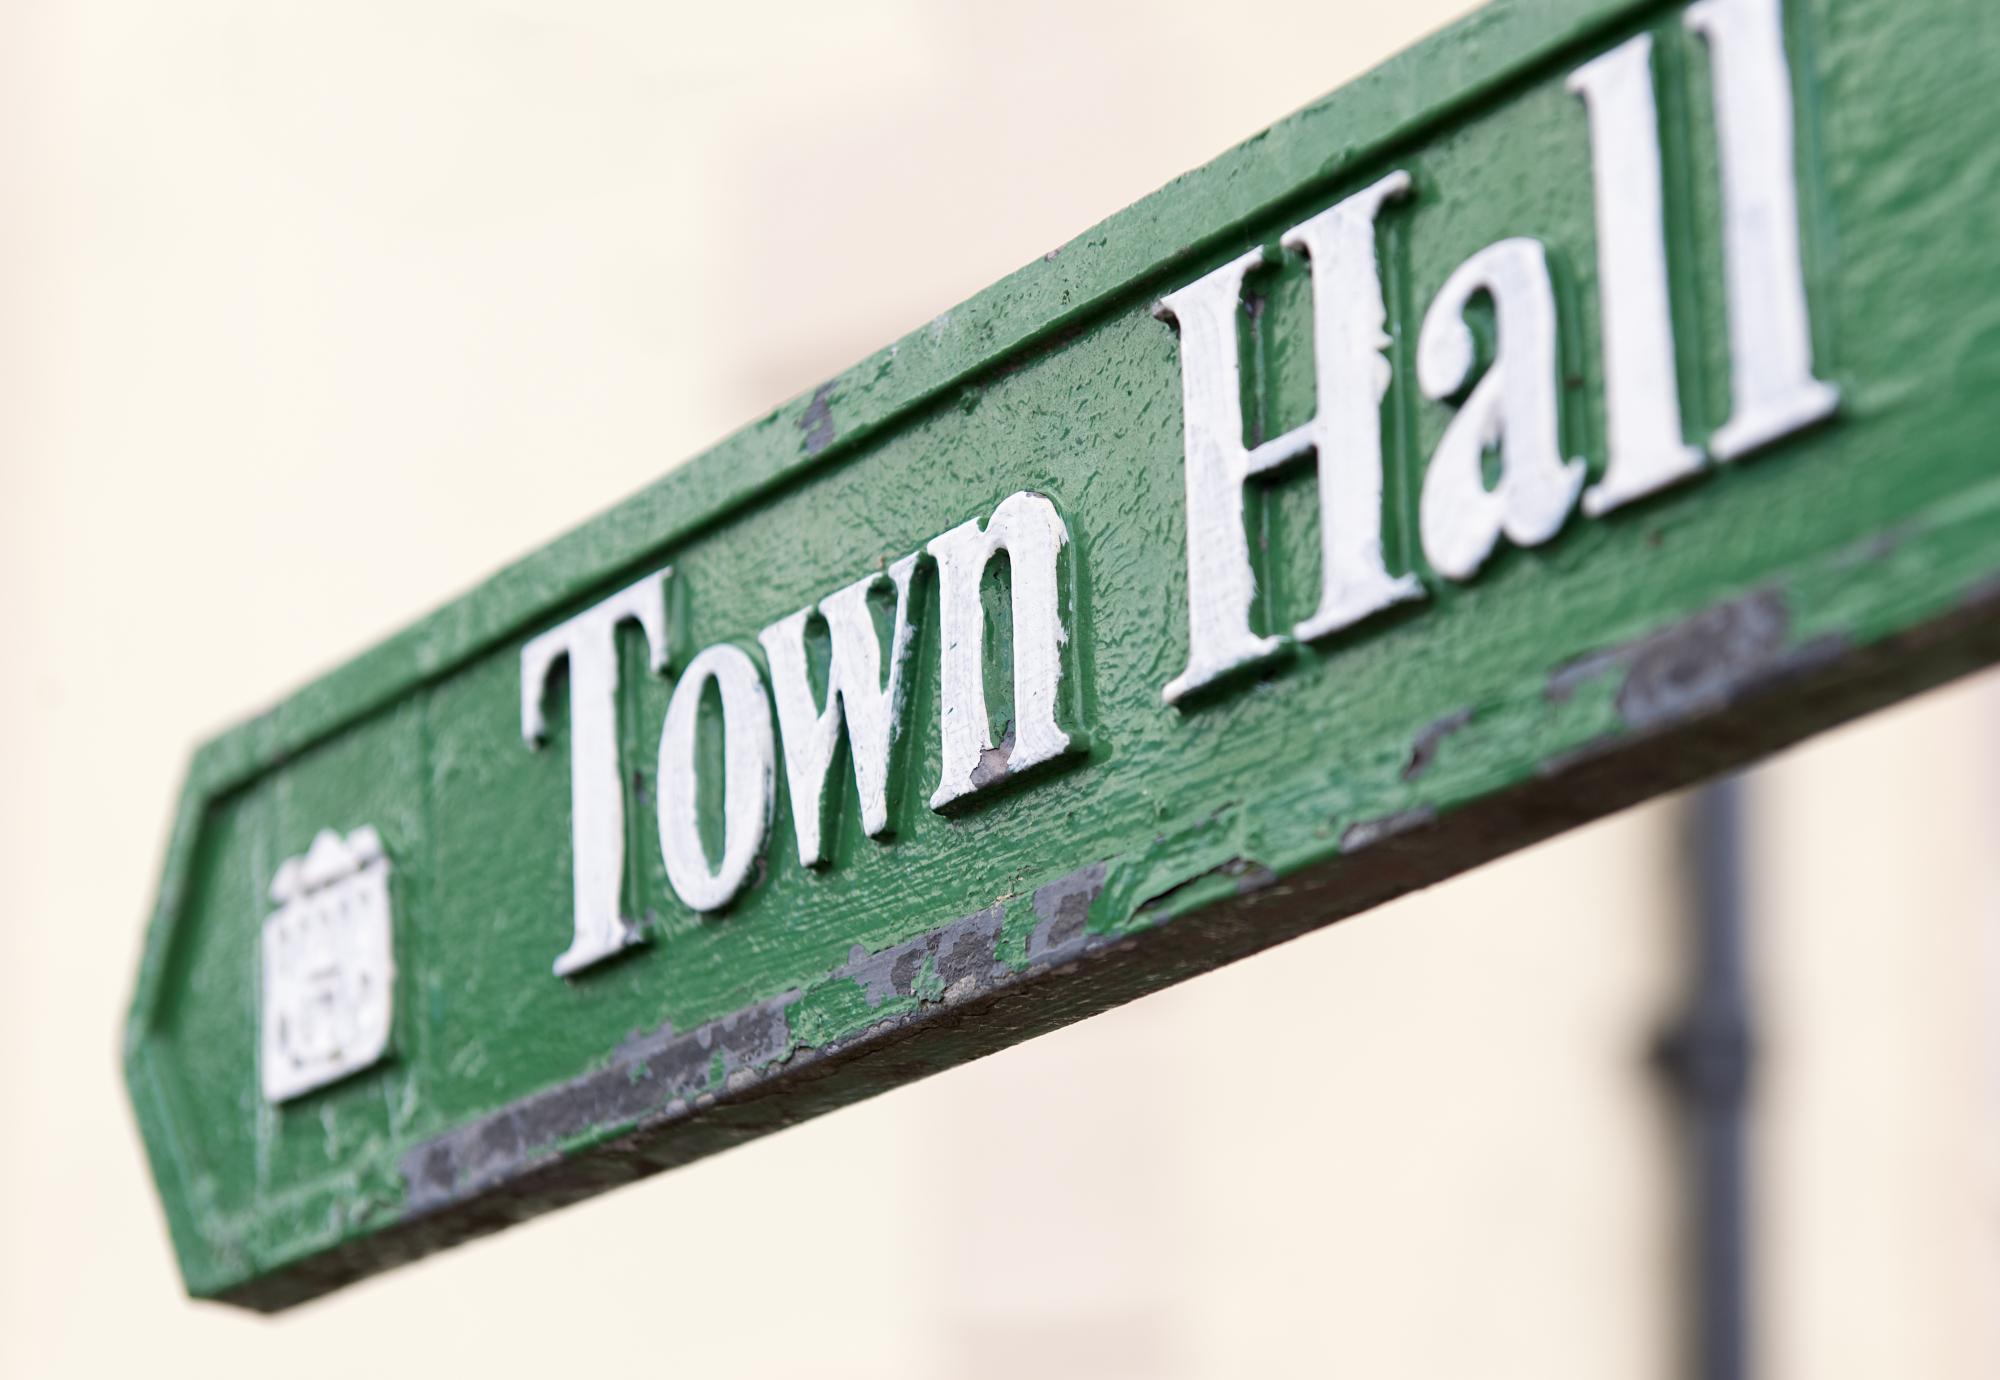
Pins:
<point x="596" y="790"/>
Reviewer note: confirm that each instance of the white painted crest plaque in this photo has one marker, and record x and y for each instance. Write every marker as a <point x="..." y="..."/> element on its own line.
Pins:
<point x="329" y="965"/>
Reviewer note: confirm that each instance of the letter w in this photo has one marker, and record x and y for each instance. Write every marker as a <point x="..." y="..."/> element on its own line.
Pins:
<point x="855" y="691"/>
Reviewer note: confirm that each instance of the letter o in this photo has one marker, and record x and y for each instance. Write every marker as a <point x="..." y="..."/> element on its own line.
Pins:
<point x="749" y="763"/>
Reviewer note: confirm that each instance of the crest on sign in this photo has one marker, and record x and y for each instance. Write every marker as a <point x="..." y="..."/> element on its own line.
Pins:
<point x="329" y="965"/>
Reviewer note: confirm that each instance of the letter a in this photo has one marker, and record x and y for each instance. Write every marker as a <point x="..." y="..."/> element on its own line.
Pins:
<point x="1513" y="407"/>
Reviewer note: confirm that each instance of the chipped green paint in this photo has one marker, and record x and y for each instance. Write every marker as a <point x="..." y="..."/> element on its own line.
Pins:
<point x="1844" y="568"/>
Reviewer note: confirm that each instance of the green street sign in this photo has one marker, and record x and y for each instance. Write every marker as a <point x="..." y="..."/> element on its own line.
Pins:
<point x="1592" y="399"/>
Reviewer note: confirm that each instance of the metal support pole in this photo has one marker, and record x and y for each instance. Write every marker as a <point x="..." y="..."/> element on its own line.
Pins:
<point x="1706" y="1057"/>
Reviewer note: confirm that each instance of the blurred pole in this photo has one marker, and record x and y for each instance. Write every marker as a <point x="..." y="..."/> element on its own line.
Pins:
<point x="1706" y="1057"/>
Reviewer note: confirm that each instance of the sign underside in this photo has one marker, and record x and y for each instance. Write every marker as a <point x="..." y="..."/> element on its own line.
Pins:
<point x="1592" y="399"/>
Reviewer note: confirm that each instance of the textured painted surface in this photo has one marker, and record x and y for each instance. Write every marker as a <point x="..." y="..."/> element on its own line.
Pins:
<point x="1842" y="569"/>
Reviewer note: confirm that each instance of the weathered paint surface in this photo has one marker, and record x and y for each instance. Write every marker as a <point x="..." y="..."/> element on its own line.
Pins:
<point x="1677" y="636"/>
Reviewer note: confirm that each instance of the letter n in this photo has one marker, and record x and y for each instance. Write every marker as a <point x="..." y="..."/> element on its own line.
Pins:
<point x="1027" y="527"/>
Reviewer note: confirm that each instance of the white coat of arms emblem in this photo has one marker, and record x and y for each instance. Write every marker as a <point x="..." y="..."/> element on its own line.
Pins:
<point x="328" y="963"/>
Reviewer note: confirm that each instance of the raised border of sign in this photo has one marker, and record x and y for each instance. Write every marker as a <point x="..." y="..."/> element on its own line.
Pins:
<point x="1694" y="697"/>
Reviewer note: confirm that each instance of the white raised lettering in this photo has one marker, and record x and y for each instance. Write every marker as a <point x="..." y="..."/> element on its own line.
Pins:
<point x="1642" y="405"/>
<point x="1345" y="435"/>
<point x="856" y="691"/>
<point x="1773" y="390"/>
<point x="748" y="776"/>
<point x="1028" y="528"/>
<point x="596" y="792"/>
<point x="1513" y="407"/>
